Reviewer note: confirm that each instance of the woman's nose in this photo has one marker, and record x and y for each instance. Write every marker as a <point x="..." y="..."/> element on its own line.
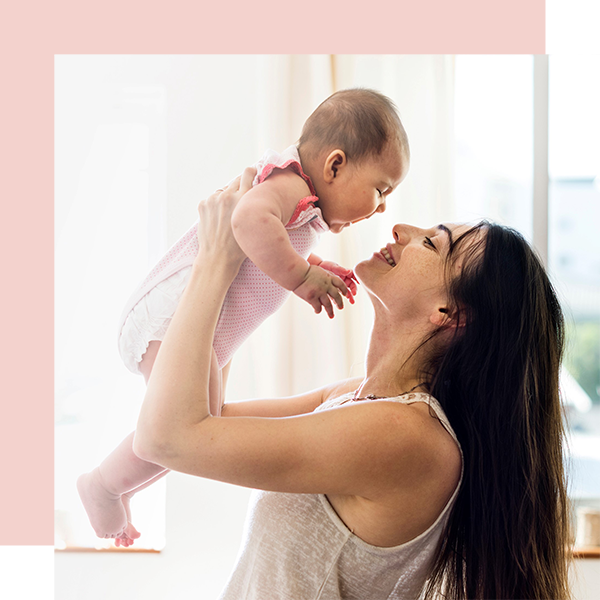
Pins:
<point x="401" y="234"/>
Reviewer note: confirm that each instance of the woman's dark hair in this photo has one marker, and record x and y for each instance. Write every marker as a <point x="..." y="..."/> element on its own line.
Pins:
<point x="508" y="533"/>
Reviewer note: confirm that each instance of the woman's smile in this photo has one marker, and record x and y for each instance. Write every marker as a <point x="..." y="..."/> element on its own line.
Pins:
<point x="380" y="256"/>
<point x="387" y="253"/>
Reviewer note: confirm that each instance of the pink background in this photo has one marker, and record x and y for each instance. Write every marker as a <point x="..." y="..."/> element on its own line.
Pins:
<point x="33" y="33"/>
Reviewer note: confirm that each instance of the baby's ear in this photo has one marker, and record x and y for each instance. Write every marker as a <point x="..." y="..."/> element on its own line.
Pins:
<point x="335" y="160"/>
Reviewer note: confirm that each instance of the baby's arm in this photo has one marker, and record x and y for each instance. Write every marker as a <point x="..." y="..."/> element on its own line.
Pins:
<point x="258" y="224"/>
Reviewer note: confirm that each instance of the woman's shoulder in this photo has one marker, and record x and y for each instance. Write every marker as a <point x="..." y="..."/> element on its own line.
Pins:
<point x="417" y="433"/>
<point x="429" y="457"/>
<point x="421" y="443"/>
<point x="432" y="433"/>
<point x="442" y="442"/>
<point x="340" y="388"/>
<point x="416" y="468"/>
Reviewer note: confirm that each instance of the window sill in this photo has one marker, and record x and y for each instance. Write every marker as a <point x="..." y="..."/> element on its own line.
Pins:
<point x="113" y="549"/>
<point x="582" y="552"/>
<point x="586" y="552"/>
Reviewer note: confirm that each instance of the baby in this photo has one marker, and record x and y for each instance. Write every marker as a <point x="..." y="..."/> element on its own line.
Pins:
<point x="352" y="153"/>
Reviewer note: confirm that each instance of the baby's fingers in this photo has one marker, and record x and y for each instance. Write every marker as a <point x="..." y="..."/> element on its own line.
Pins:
<point x="334" y="293"/>
<point x="326" y="304"/>
<point x="339" y="284"/>
<point x="317" y="306"/>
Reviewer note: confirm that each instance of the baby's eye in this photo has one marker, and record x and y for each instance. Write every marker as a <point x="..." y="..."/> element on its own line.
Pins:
<point x="429" y="242"/>
<point x="379" y="192"/>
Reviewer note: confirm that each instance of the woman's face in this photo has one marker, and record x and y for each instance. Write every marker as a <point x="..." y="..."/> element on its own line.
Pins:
<point x="407" y="277"/>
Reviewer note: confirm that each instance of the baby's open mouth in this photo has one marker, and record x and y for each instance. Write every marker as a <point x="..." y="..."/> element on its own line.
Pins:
<point x="388" y="257"/>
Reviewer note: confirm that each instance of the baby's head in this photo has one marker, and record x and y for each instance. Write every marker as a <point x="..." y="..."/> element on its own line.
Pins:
<point x="355" y="150"/>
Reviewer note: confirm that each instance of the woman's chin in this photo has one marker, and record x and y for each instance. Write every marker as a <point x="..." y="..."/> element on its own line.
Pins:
<point x="366" y="272"/>
<point x="364" y="267"/>
<point x="360" y="269"/>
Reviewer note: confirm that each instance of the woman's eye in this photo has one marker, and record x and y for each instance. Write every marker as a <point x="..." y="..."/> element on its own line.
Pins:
<point x="428" y="241"/>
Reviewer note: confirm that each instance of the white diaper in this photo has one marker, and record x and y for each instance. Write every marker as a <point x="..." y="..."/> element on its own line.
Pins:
<point x="150" y="318"/>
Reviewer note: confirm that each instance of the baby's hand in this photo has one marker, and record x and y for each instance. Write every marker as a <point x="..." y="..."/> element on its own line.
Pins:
<point x="346" y="275"/>
<point x="319" y="286"/>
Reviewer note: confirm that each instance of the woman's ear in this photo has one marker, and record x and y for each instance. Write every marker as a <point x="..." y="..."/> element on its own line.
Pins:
<point x="441" y="317"/>
<point x="335" y="161"/>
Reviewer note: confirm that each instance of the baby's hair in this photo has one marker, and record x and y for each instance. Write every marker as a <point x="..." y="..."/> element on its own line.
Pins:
<point x="359" y="121"/>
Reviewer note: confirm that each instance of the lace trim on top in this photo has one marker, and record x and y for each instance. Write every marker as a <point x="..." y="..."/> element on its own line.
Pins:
<point x="408" y="398"/>
<point x="305" y="210"/>
<point x="295" y="166"/>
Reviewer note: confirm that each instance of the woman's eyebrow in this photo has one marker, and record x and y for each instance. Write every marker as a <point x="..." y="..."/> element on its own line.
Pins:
<point x="444" y="228"/>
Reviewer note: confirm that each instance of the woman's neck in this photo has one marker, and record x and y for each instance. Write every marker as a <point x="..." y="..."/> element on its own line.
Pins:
<point x="392" y="368"/>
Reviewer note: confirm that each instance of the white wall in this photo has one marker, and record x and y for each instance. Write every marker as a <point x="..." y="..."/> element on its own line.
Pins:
<point x="204" y="528"/>
<point x="586" y="580"/>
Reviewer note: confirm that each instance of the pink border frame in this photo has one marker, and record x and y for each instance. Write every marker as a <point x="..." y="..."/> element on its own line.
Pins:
<point x="33" y="32"/>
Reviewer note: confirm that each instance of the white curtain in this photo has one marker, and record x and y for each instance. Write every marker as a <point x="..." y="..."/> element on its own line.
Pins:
<point x="297" y="350"/>
<point x="139" y="141"/>
<point x="208" y="117"/>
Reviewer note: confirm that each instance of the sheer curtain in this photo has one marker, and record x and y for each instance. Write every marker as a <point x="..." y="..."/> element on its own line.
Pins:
<point x="139" y="141"/>
<point x="297" y="350"/>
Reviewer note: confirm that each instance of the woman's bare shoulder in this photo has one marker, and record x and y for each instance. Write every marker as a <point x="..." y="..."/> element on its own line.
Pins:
<point x="443" y="454"/>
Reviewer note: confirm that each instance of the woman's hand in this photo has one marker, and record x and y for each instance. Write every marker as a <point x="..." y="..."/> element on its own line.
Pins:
<point x="215" y="237"/>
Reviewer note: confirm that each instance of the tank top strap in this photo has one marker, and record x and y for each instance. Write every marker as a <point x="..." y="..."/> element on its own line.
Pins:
<point x="433" y="403"/>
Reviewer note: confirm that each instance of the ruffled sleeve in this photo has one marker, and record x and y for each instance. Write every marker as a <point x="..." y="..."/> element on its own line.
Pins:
<point x="306" y="211"/>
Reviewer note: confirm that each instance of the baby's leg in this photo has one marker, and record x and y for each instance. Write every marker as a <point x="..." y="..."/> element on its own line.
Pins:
<point x="216" y="392"/>
<point x="123" y="472"/>
<point x="120" y="472"/>
<point x="101" y="489"/>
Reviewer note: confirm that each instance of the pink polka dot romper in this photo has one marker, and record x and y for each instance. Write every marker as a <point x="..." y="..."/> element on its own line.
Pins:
<point x="252" y="297"/>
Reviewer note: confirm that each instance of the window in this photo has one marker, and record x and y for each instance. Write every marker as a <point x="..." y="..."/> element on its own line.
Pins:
<point x="574" y="254"/>
<point x="494" y="142"/>
<point x="106" y="134"/>
<point x="495" y="152"/>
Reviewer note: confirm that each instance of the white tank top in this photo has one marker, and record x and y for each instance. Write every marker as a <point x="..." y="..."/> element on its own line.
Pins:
<point x="295" y="547"/>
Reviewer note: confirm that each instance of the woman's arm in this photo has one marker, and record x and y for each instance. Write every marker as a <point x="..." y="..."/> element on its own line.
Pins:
<point x="294" y="405"/>
<point x="177" y="392"/>
<point x="360" y="449"/>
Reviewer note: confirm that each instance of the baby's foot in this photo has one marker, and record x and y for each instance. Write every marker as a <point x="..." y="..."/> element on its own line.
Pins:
<point x="128" y="536"/>
<point x="130" y="533"/>
<point x="104" y="509"/>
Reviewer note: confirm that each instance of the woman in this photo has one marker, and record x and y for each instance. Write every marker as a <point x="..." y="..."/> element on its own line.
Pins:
<point x="370" y="499"/>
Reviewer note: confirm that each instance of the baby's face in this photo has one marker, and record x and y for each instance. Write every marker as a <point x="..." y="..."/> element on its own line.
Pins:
<point x="359" y="191"/>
